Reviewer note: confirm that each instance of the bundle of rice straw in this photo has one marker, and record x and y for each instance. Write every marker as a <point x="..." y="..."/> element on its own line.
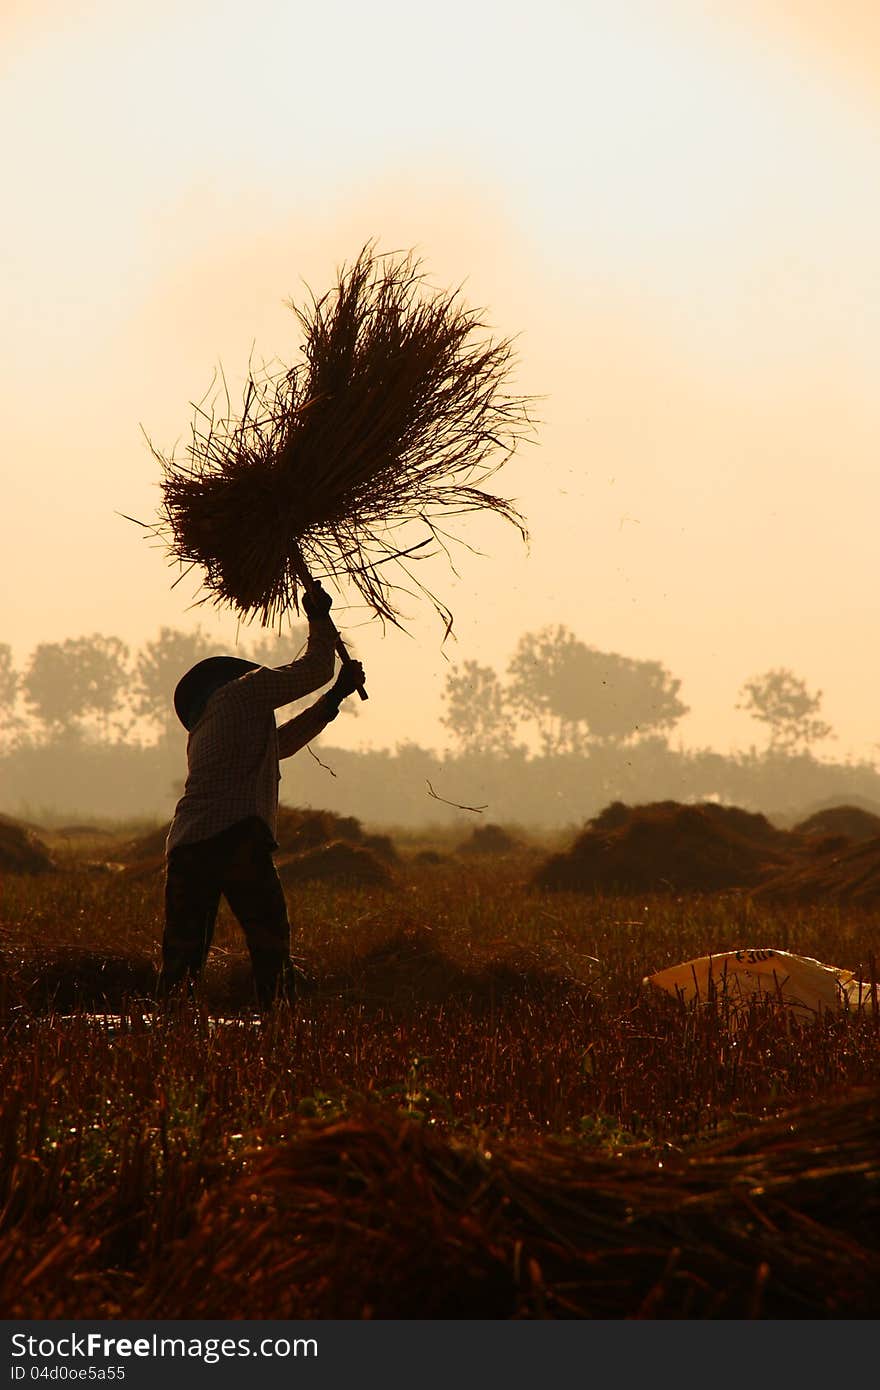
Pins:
<point x="394" y="420"/>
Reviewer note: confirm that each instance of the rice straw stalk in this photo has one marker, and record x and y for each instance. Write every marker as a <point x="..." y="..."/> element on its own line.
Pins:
<point x="349" y="465"/>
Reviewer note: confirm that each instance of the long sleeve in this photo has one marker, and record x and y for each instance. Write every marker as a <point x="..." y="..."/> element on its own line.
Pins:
<point x="295" y="733"/>
<point x="269" y="688"/>
<point x="233" y="751"/>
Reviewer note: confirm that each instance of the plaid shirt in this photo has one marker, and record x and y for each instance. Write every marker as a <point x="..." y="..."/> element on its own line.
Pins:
<point x="232" y="753"/>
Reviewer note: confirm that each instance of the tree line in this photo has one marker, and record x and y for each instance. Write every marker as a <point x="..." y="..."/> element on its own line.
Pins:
<point x="568" y="696"/>
<point x="97" y="687"/>
<point x="87" y="728"/>
<point x="577" y="698"/>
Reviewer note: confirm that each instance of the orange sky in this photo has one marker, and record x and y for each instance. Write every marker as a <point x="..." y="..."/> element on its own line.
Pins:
<point x="679" y="216"/>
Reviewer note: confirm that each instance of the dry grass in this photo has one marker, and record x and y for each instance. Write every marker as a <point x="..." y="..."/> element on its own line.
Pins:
<point x="457" y="1119"/>
<point x="357" y="458"/>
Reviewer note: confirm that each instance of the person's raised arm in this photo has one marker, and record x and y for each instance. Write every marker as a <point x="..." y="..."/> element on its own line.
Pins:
<point x="295" y="733"/>
<point x="270" y="687"/>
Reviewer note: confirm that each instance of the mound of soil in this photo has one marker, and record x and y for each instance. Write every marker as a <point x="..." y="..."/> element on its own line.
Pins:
<point x="21" y="852"/>
<point x="748" y="825"/>
<point x="146" y="871"/>
<point x="352" y="866"/>
<point x="489" y="839"/>
<point x="68" y="978"/>
<point x="847" y="822"/>
<point x="301" y="829"/>
<point x="409" y="971"/>
<point x="146" y="848"/>
<point x="298" y="830"/>
<point x="668" y="847"/>
<point x="143" y="859"/>
<point x="847" y="876"/>
<point x="84" y="832"/>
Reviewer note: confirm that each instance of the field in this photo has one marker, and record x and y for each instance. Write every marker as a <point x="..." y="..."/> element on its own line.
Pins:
<point x="475" y="1111"/>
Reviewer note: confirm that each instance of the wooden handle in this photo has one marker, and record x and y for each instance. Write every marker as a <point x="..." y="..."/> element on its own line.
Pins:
<point x="342" y="651"/>
<point x="309" y="585"/>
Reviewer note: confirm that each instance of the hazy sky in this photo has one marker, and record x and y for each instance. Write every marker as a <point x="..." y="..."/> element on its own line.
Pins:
<point x="675" y="205"/>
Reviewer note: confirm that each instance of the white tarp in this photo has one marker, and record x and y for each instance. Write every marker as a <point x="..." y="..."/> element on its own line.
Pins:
<point x="802" y="985"/>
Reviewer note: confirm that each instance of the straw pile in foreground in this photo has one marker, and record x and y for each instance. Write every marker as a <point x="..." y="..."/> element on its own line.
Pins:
<point x="377" y="1216"/>
<point x="354" y="458"/>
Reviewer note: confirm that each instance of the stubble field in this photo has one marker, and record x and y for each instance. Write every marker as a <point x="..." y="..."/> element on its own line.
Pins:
<point x="476" y="1110"/>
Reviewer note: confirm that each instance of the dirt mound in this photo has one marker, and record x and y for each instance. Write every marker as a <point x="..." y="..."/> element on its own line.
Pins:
<point x="409" y="971"/>
<point x="352" y="866"/>
<point x="847" y="876"/>
<point x="748" y="825"/>
<point x="298" y="830"/>
<point x="848" y="822"/>
<point x="668" y="847"/>
<point x="146" y="847"/>
<point x="612" y="817"/>
<point x="301" y="829"/>
<point x="142" y="859"/>
<point x="69" y="978"/>
<point x="21" y="852"/>
<point x="84" y="832"/>
<point x="489" y="839"/>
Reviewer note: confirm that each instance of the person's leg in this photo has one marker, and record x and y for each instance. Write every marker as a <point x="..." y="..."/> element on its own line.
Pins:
<point x="251" y="886"/>
<point x="192" y="896"/>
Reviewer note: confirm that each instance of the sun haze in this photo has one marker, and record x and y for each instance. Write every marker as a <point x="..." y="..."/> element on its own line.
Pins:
<point x="678" y="216"/>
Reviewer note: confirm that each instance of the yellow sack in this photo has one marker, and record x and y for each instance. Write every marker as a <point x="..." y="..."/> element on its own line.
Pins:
<point x="805" y="986"/>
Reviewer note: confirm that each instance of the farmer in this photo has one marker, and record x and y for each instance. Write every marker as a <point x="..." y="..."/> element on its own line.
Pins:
<point x="223" y="833"/>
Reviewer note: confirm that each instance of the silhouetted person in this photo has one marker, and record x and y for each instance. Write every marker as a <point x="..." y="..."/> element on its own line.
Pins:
<point x="222" y="836"/>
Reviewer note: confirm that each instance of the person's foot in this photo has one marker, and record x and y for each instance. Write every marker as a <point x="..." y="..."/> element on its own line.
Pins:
<point x="284" y="985"/>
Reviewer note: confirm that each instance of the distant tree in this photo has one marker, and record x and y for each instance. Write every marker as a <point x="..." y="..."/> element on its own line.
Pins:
<point x="67" y="682"/>
<point x="577" y="694"/>
<point x="157" y="669"/>
<point x="780" y="699"/>
<point x="274" y="648"/>
<point x="476" y="709"/>
<point x="10" y="682"/>
<point x="161" y="663"/>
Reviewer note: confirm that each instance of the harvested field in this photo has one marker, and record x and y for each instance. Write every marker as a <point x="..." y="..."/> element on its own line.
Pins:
<point x="476" y="1108"/>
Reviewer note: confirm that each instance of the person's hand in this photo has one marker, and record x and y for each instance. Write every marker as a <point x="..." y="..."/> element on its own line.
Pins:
<point x="349" y="679"/>
<point x="316" y="602"/>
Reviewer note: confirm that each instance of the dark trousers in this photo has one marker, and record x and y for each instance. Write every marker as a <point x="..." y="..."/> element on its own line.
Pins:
<point x="238" y="864"/>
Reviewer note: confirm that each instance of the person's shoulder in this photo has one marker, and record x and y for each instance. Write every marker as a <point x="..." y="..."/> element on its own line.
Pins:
<point x="249" y="681"/>
<point x="235" y="694"/>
